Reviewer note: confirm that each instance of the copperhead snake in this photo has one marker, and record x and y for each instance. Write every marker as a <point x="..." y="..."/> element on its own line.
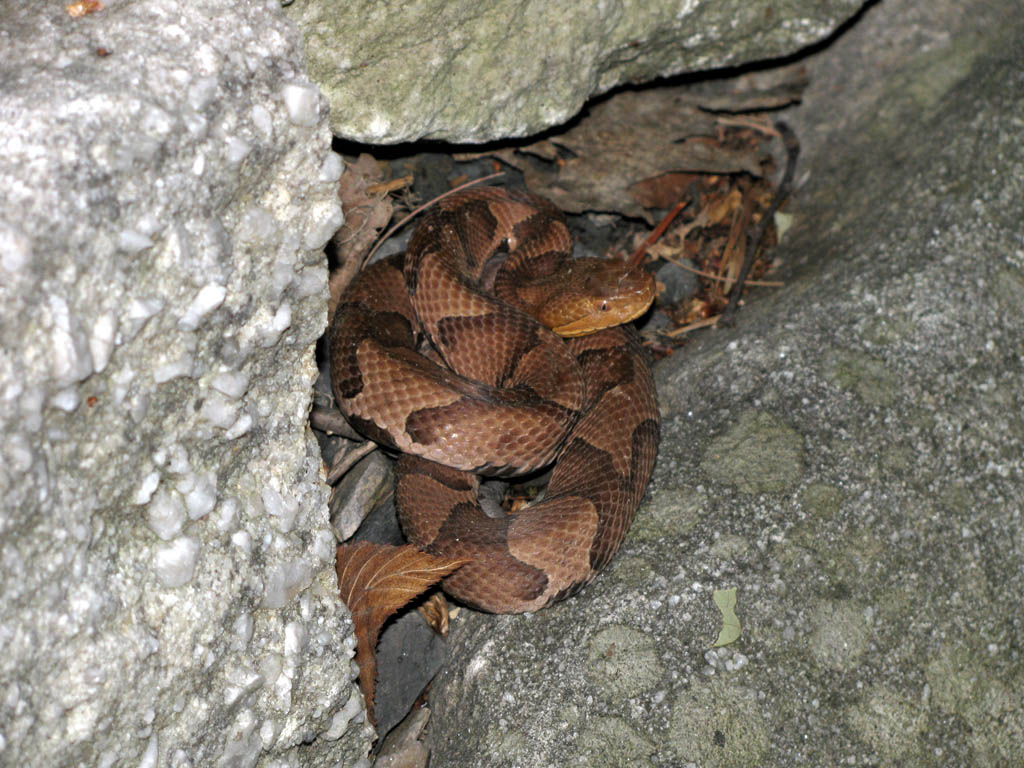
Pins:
<point x="497" y="393"/>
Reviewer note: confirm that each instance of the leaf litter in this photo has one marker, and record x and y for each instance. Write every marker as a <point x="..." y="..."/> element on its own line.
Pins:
<point x="709" y="151"/>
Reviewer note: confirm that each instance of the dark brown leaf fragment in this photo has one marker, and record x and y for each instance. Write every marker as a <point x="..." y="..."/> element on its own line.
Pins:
<point x="376" y="580"/>
<point x="367" y="209"/>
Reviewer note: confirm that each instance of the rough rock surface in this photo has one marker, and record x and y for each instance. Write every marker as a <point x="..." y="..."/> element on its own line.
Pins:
<point x="167" y="595"/>
<point x="467" y="71"/>
<point x="850" y="458"/>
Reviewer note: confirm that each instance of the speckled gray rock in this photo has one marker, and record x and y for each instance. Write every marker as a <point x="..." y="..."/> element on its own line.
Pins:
<point x="850" y="458"/>
<point x="468" y="71"/>
<point x="167" y="595"/>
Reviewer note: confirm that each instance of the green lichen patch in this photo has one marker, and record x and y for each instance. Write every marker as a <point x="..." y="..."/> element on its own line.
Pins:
<point x="715" y="724"/>
<point x="611" y="741"/>
<point x="985" y="691"/>
<point x="841" y="634"/>
<point x="669" y="511"/>
<point x="623" y="662"/>
<point x="890" y="723"/>
<point x="759" y="454"/>
<point x="864" y="376"/>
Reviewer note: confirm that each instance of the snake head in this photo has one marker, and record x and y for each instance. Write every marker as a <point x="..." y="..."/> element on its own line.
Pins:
<point x="598" y="294"/>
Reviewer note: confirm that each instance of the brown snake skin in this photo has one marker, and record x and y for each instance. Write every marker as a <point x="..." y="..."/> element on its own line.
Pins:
<point x="522" y="398"/>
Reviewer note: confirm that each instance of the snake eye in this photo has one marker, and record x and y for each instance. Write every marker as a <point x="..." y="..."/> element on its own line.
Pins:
<point x="604" y="306"/>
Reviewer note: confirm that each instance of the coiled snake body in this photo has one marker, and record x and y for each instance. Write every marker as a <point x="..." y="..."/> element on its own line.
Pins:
<point x="498" y="393"/>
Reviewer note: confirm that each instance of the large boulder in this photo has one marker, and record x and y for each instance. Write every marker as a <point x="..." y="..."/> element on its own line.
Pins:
<point x="167" y="593"/>
<point x="467" y="71"/>
<point x="850" y="458"/>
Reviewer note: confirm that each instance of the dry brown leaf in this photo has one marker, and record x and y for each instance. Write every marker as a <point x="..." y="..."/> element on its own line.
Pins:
<point x="367" y="209"/>
<point x="663" y="191"/>
<point x="625" y="140"/>
<point x="83" y="8"/>
<point x="735" y="248"/>
<point x="376" y="580"/>
<point x="435" y="611"/>
<point x="723" y="207"/>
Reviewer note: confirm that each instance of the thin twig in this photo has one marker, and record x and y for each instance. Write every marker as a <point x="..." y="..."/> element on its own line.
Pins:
<point x="718" y="278"/>
<point x="694" y="326"/>
<point x="386" y="187"/>
<point x="340" y="466"/>
<point x="744" y="121"/>
<point x="331" y="422"/>
<point x="652" y="238"/>
<point x="417" y="210"/>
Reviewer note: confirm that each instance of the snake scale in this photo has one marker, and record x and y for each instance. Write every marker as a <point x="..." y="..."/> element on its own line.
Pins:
<point x="435" y="356"/>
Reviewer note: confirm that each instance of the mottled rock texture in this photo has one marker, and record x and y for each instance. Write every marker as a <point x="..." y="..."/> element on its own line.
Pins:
<point x="470" y="71"/>
<point x="850" y="458"/>
<point x="167" y="594"/>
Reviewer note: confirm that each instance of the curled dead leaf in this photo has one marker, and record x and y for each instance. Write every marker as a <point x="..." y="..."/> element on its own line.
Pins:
<point x="376" y="580"/>
<point x="367" y="209"/>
